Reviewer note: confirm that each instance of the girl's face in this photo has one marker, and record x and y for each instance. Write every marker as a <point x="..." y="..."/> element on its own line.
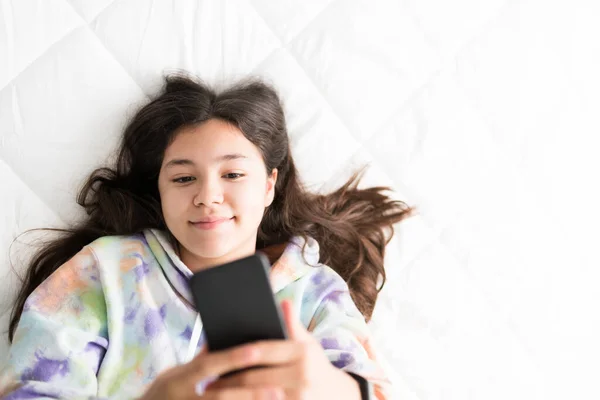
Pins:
<point x="213" y="171"/>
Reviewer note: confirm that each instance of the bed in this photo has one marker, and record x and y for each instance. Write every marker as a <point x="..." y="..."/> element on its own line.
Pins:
<point x="480" y="113"/>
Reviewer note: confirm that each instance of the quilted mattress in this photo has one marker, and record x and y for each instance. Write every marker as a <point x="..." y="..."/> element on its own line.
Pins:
<point x="482" y="113"/>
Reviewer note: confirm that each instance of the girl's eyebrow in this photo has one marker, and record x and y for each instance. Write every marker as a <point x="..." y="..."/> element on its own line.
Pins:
<point x="185" y="161"/>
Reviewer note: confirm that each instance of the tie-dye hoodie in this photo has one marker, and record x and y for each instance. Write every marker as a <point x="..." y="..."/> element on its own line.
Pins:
<point x="118" y="313"/>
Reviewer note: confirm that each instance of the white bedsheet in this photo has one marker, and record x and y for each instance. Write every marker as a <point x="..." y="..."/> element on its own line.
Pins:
<point x="484" y="114"/>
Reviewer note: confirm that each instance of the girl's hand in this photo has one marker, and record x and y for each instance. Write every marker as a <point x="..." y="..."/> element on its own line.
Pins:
<point x="298" y="366"/>
<point x="180" y="382"/>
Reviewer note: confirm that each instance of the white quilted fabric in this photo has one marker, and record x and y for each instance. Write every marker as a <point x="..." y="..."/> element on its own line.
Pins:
<point x="481" y="113"/>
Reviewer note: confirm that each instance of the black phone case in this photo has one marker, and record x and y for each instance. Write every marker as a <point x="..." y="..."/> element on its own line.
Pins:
<point x="236" y="303"/>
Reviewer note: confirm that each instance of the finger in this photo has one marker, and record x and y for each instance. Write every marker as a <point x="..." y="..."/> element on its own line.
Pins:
<point x="286" y="377"/>
<point x="277" y="352"/>
<point x="264" y="393"/>
<point x="296" y="330"/>
<point x="269" y="352"/>
<point x="212" y="364"/>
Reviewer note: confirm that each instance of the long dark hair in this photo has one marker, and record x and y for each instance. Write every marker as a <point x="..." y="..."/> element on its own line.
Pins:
<point x="349" y="224"/>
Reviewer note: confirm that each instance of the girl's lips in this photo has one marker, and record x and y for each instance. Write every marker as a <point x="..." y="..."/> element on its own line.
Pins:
<point x="210" y="225"/>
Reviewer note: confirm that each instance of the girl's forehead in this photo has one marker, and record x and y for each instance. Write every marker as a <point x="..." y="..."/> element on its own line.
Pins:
<point x="213" y="139"/>
<point x="212" y="131"/>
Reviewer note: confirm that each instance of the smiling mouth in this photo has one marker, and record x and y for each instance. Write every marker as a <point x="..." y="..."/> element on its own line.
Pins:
<point x="212" y="224"/>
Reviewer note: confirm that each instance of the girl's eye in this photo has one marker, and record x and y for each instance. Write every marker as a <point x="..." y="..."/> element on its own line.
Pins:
<point x="186" y="179"/>
<point x="183" y="179"/>
<point x="234" y="175"/>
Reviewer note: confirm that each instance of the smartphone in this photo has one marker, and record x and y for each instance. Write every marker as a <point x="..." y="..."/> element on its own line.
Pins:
<point x="236" y="303"/>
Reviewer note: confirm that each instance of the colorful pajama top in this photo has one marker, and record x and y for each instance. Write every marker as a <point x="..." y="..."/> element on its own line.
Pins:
<point x="112" y="318"/>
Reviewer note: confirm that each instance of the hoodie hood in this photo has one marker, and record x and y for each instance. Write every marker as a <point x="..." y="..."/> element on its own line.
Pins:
<point x="290" y="267"/>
